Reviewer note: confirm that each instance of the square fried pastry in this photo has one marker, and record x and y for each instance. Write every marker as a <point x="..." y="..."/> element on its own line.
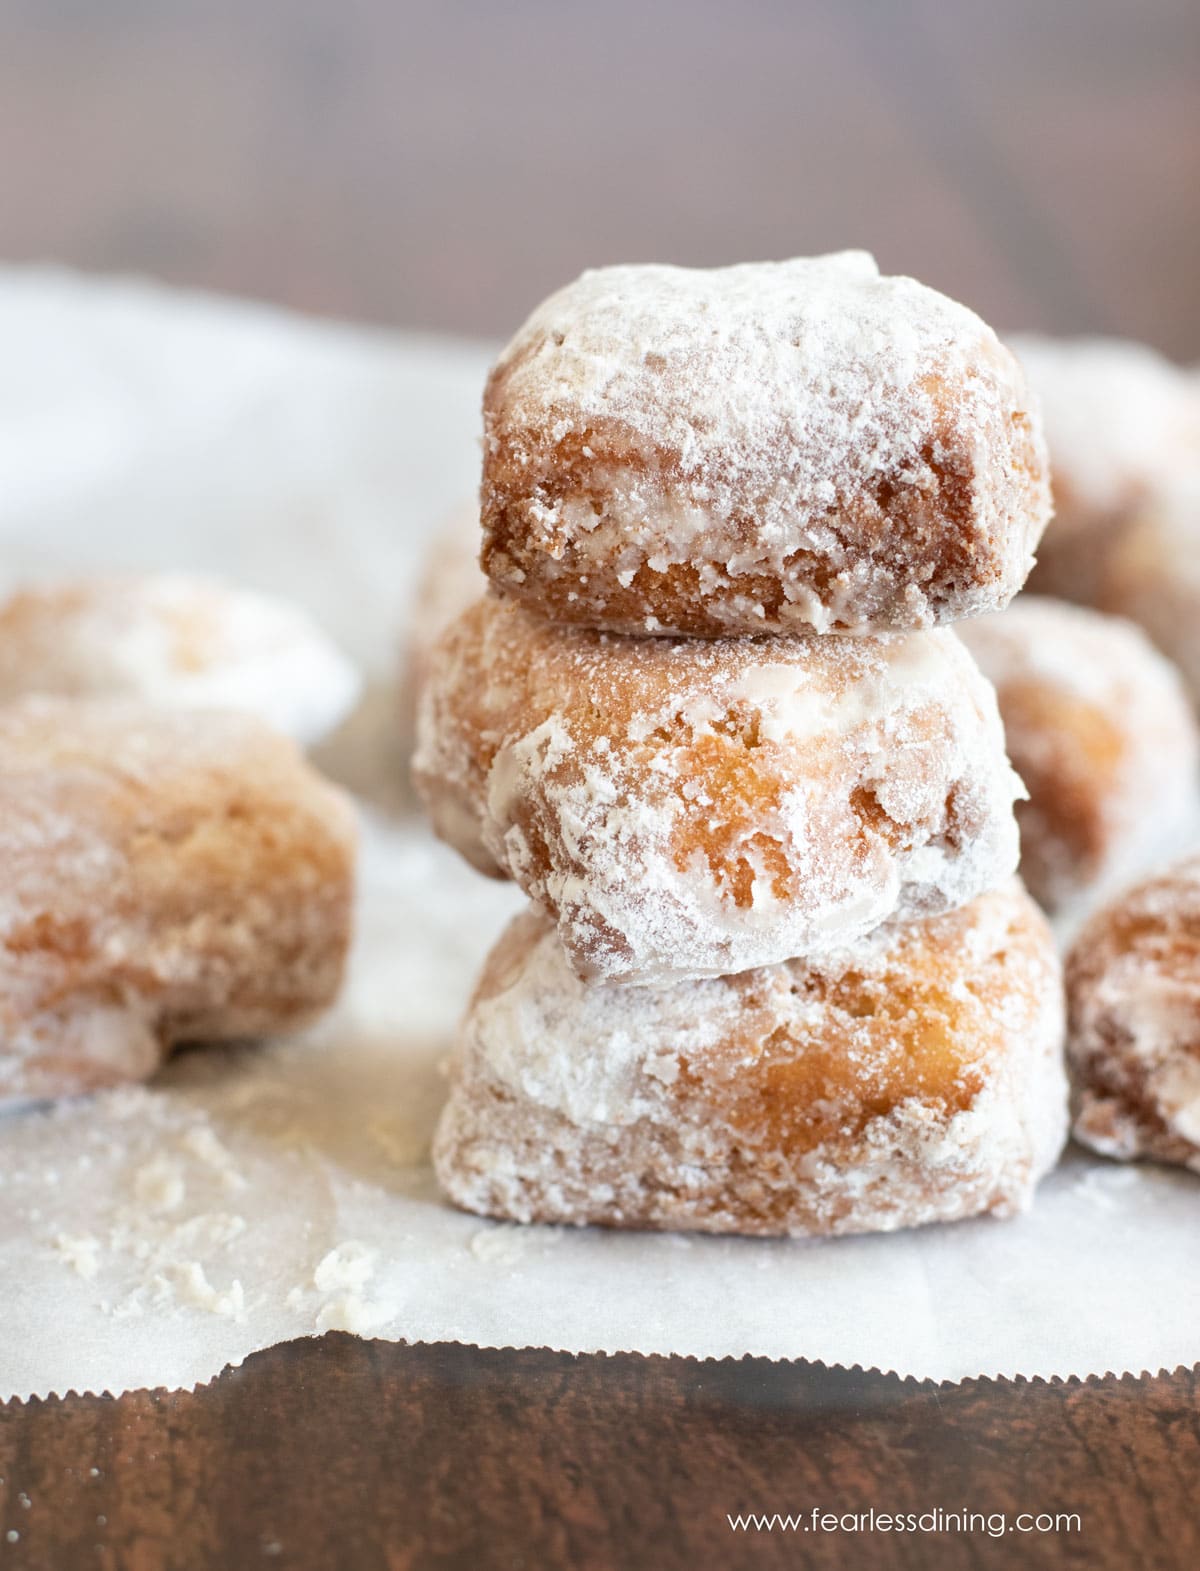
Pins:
<point x="917" y="1078"/>
<point x="169" y="877"/>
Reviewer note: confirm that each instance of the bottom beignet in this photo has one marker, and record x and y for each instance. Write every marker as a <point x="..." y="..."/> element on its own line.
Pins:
<point x="917" y="1079"/>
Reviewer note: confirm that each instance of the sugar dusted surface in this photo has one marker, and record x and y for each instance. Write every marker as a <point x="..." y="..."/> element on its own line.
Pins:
<point x="168" y="878"/>
<point x="1152" y="573"/>
<point x="698" y="807"/>
<point x="176" y="640"/>
<point x="767" y="446"/>
<point x="1133" y="991"/>
<point x="1121" y="422"/>
<point x="915" y="1078"/>
<point x="1099" y="727"/>
<point x="1117" y="417"/>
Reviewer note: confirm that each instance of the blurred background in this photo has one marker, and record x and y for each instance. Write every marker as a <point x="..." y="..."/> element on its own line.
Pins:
<point x="442" y="166"/>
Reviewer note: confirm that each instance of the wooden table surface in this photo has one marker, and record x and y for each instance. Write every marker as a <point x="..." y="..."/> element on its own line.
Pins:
<point x="443" y="165"/>
<point x="342" y="1453"/>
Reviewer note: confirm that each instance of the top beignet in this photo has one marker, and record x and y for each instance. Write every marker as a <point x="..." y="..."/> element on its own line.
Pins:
<point x="760" y="448"/>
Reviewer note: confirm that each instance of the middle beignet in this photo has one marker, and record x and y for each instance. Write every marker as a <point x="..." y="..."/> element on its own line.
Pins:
<point x="692" y="808"/>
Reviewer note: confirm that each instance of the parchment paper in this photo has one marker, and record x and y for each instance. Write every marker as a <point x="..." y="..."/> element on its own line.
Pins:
<point x="151" y="1236"/>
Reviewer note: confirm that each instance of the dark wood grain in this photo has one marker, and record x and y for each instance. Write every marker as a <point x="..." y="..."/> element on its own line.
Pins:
<point x="446" y="164"/>
<point x="340" y="1453"/>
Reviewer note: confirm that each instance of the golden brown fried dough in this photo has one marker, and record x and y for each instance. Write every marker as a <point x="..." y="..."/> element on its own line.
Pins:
<point x="1133" y="999"/>
<point x="1120" y="422"/>
<point x="168" y="878"/>
<point x="917" y="1078"/>
<point x="1100" y="730"/>
<point x="1152" y="574"/>
<point x="176" y="640"/>
<point x="693" y="807"/>
<point x="768" y="447"/>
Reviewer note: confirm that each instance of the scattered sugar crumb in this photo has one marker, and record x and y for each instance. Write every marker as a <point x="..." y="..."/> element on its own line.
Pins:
<point x="203" y="1144"/>
<point x="192" y="1287"/>
<point x="81" y="1252"/>
<point x="347" y="1267"/>
<point x="351" y="1313"/>
<point x="159" y="1184"/>
<point x="214" y="1228"/>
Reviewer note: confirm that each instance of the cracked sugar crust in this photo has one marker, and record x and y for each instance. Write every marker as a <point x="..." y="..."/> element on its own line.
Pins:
<point x="917" y="1078"/>
<point x="168" y="878"/>
<point x="696" y="807"/>
<point x="1133" y="1009"/>
<point x="176" y="640"/>
<point x="767" y="447"/>
<point x="1100" y="729"/>
<point x="1120" y="422"/>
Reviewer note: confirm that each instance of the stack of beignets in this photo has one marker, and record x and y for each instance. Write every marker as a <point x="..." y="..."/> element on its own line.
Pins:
<point x="779" y="977"/>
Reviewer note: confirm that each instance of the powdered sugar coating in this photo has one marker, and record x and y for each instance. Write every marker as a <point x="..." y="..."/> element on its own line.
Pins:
<point x="918" y="1078"/>
<point x="765" y="447"/>
<point x="168" y="877"/>
<point x="1100" y="730"/>
<point x="1133" y="996"/>
<point x="1152" y="572"/>
<point x="177" y="640"/>
<point x="1120" y="420"/>
<point x="695" y="807"/>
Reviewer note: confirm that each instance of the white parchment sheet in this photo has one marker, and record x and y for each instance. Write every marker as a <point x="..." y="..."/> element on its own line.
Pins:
<point x="151" y="1236"/>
